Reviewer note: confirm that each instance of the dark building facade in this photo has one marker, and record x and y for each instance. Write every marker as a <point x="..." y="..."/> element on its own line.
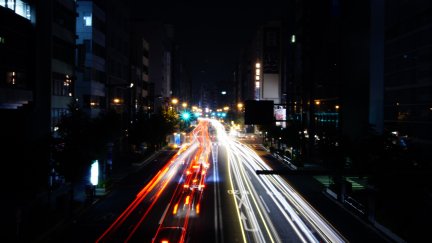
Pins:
<point x="119" y="83"/>
<point x="37" y="49"/>
<point x="408" y="65"/>
<point x="91" y="84"/>
<point x="336" y="66"/>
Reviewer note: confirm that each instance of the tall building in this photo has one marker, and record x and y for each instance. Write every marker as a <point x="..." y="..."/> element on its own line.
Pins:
<point x="408" y="65"/>
<point x="160" y="38"/>
<point x="91" y="78"/>
<point x="139" y="60"/>
<point x="117" y="42"/>
<point x="37" y="49"/>
<point x="244" y="77"/>
<point x="52" y="55"/>
<point x="181" y="80"/>
<point x="17" y="49"/>
<point x="267" y="55"/>
<point x="21" y="99"/>
<point x="331" y="81"/>
<point x="62" y="61"/>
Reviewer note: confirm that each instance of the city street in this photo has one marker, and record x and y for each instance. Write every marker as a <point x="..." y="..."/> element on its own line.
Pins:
<point x="229" y="203"/>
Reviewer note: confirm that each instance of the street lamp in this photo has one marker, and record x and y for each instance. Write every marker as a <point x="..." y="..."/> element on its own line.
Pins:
<point x="240" y="106"/>
<point x="116" y="100"/>
<point x="174" y="101"/>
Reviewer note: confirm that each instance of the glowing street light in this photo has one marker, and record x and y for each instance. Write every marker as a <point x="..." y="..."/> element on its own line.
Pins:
<point x="174" y="101"/>
<point x="184" y="104"/>
<point x="240" y="106"/>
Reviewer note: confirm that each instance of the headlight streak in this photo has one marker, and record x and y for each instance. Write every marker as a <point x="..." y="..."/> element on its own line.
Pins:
<point x="278" y="200"/>
<point x="234" y="196"/>
<point x="312" y="216"/>
<point x="243" y="163"/>
<point x="247" y="157"/>
<point x="234" y="162"/>
<point x="258" y="206"/>
<point x="319" y="224"/>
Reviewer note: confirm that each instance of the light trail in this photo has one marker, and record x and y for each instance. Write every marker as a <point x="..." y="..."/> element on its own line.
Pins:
<point x="255" y="194"/>
<point x="198" y="148"/>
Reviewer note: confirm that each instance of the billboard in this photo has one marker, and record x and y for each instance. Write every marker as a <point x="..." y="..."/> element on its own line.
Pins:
<point x="259" y="112"/>
<point x="280" y="113"/>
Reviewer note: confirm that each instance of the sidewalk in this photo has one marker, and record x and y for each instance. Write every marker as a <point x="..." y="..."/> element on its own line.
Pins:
<point x="51" y="210"/>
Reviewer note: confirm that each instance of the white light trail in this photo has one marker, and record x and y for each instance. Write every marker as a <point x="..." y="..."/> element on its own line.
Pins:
<point x="253" y="211"/>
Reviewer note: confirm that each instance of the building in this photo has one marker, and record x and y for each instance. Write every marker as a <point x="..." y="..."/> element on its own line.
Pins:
<point x="91" y="79"/>
<point x="139" y="60"/>
<point x="181" y="79"/>
<point x="118" y="80"/>
<point x="408" y="65"/>
<point x="62" y="70"/>
<point x="267" y="63"/>
<point x="160" y="39"/>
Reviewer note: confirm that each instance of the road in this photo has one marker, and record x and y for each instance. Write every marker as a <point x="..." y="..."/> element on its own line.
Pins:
<point x="209" y="188"/>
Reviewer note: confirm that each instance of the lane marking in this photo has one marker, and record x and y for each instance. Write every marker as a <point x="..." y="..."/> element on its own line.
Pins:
<point x="265" y="205"/>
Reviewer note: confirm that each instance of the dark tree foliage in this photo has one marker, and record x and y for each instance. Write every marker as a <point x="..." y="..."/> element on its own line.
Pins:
<point x="84" y="140"/>
<point x="74" y="156"/>
<point x="104" y="129"/>
<point x="154" y="129"/>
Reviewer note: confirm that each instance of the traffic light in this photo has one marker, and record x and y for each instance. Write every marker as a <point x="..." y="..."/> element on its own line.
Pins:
<point x="185" y="115"/>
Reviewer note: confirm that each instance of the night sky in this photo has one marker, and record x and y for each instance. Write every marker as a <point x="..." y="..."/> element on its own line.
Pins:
<point x="211" y="34"/>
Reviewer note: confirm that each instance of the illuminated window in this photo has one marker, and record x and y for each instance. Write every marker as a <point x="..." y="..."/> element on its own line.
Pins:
<point x="2" y="40"/>
<point x="18" y="6"/>
<point x="293" y="39"/>
<point x="257" y="77"/>
<point x="62" y="84"/>
<point x="87" y="20"/>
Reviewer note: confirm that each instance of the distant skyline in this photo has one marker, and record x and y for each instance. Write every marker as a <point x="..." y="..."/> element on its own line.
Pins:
<point x="212" y="34"/>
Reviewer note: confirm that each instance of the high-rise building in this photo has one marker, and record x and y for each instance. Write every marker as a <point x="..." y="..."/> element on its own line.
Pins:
<point x="139" y="61"/>
<point x="37" y="46"/>
<point x="160" y="38"/>
<point x="63" y="58"/>
<point x="267" y="61"/>
<point x="119" y="84"/>
<point x="408" y="65"/>
<point x="91" y="79"/>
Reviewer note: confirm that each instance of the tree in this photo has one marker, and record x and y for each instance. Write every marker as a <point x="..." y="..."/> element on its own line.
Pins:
<point x="104" y="129"/>
<point x="74" y="157"/>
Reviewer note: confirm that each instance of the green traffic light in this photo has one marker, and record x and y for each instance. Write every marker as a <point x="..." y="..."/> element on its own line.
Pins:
<point x="185" y="115"/>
